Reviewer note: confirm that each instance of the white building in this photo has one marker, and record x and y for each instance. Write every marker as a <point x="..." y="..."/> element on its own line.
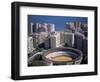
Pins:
<point x="35" y="40"/>
<point x="69" y="39"/>
<point x="30" y="44"/>
<point x="55" y="40"/>
<point x="31" y="30"/>
<point x="41" y="27"/>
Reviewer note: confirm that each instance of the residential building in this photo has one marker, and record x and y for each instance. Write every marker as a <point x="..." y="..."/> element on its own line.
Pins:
<point x="55" y="40"/>
<point x="69" y="39"/>
<point x="85" y="45"/>
<point x="50" y="27"/>
<point x="62" y="37"/>
<point x="78" y="41"/>
<point x="30" y="44"/>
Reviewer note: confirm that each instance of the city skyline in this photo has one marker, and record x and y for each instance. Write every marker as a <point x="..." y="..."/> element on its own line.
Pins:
<point x="56" y="32"/>
<point x="59" y="21"/>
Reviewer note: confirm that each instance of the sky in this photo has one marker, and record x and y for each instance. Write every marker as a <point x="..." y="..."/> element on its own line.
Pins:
<point x="59" y="21"/>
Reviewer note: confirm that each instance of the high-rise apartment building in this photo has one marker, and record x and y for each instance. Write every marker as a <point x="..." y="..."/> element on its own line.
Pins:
<point x="69" y="39"/>
<point x="30" y="44"/>
<point x="55" y="40"/>
<point x="42" y="37"/>
<point x="51" y="27"/>
<point x="70" y="27"/>
<point x="85" y="46"/>
<point x="30" y="28"/>
<point x="41" y="27"/>
<point x="35" y="40"/>
<point x="47" y="43"/>
<point x="78" y="26"/>
<point x="39" y="38"/>
<point x="62" y="37"/>
<point x="78" y="41"/>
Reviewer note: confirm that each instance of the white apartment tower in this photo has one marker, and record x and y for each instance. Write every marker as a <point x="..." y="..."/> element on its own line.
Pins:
<point x="31" y="30"/>
<point x="35" y="40"/>
<point x="55" y="40"/>
<point x="30" y="44"/>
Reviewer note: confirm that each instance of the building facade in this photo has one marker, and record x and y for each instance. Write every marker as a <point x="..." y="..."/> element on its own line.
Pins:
<point x="55" y="40"/>
<point x="61" y="38"/>
<point x="78" y="41"/>
<point x="51" y="27"/>
<point x="41" y="27"/>
<point x="85" y="45"/>
<point x="35" y="40"/>
<point x="39" y="39"/>
<point x="69" y="39"/>
<point x="30" y="44"/>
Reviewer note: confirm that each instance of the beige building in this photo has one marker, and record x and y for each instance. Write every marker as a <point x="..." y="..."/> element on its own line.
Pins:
<point x="55" y="40"/>
<point x="42" y="37"/>
<point x="30" y="44"/>
<point x="39" y="38"/>
<point x="61" y="37"/>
